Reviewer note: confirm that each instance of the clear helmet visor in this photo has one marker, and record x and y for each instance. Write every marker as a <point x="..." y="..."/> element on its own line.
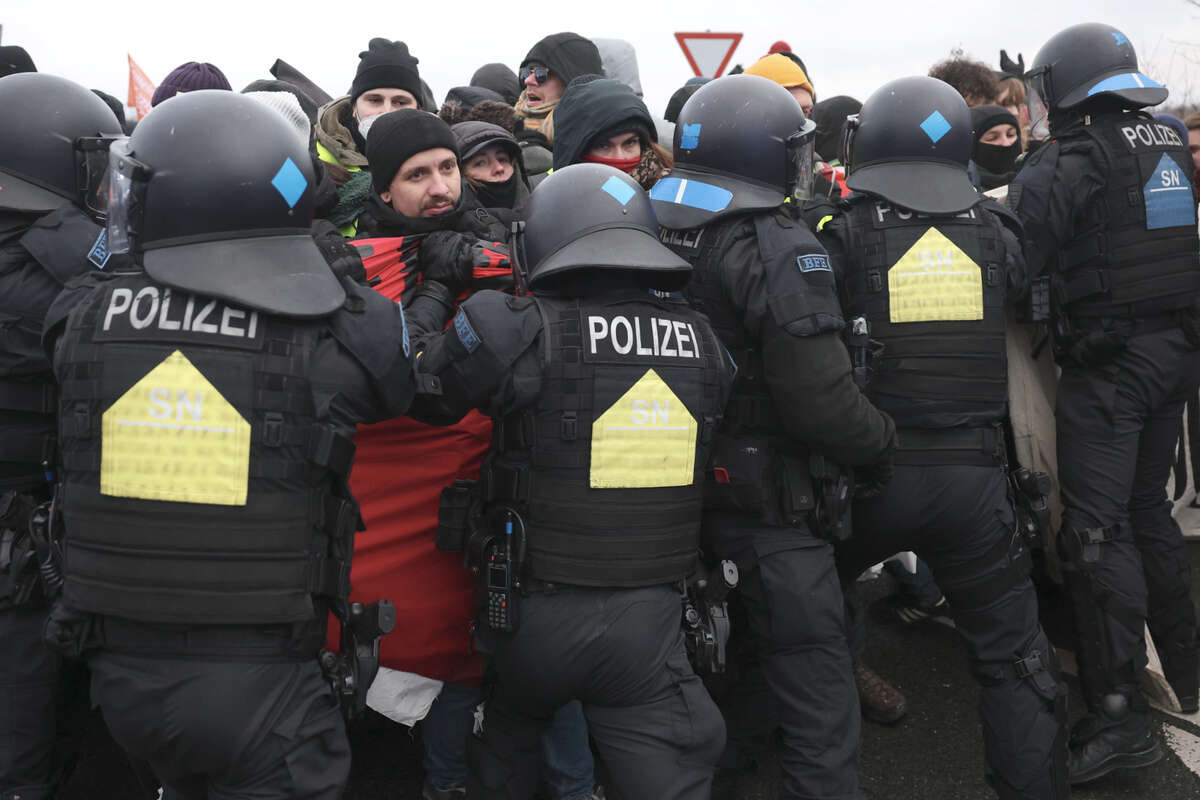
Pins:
<point x="801" y="165"/>
<point x="92" y="179"/>
<point x="1035" y="103"/>
<point x="849" y="129"/>
<point x="125" y="186"/>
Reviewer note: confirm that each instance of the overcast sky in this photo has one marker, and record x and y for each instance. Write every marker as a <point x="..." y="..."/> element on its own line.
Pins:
<point x="850" y="47"/>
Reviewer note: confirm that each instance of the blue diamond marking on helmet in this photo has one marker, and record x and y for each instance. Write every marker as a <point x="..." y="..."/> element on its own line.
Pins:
<point x="1126" y="80"/>
<point x="935" y="126"/>
<point x="619" y="189"/>
<point x="1120" y="38"/>
<point x="689" y="138"/>
<point x="290" y="182"/>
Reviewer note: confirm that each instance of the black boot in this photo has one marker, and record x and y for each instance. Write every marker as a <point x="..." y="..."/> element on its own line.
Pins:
<point x="1182" y="671"/>
<point x="1116" y="736"/>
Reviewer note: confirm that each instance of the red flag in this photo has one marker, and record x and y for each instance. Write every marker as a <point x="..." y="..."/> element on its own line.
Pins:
<point x="141" y="89"/>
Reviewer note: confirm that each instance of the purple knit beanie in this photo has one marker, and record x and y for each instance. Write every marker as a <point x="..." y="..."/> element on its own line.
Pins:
<point x="190" y="77"/>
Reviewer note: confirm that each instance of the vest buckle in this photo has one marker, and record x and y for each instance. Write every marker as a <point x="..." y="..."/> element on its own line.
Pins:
<point x="570" y="426"/>
<point x="993" y="275"/>
<point x="83" y="421"/>
<point x="273" y="429"/>
<point x="874" y="281"/>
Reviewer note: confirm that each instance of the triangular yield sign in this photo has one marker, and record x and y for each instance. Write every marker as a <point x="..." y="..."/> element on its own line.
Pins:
<point x="708" y="54"/>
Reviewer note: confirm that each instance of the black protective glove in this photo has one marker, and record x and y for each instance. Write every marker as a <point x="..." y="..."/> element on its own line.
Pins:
<point x="870" y="480"/>
<point x="342" y="257"/>
<point x="447" y="257"/>
<point x="1014" y="69"/>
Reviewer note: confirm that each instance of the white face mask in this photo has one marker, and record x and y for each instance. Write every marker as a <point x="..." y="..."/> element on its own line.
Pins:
<point x="364" y="125"/>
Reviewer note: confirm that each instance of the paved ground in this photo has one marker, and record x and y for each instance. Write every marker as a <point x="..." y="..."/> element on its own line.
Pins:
<point x="935" y="753"/>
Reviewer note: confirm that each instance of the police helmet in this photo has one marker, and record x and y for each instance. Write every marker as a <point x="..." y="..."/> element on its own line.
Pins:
<point x="214" y="191"/>
<point x="910" y="144"/>
<point x="1081" y="63"/>
<point x="54" y="137"/>
<point x="741" y="144"/>
<point x="595" y="217"/>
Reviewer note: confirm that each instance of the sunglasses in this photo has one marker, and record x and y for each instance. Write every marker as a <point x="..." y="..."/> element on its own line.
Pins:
<point x="540" y="74"/>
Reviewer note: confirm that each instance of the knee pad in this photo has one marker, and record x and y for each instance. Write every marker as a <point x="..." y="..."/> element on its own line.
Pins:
<point x="1080" y="547"/>
<point x="1038" y="665"/>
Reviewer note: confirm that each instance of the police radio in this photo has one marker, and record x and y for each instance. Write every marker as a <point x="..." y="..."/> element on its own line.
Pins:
<point x="500" y="578"/>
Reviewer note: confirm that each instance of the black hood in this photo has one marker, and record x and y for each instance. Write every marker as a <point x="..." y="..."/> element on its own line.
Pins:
<point x="471" y="96"/>
<point x="830" y="116"/>
<point x="568" y="55"/>
<point x="500" y="79"/>
<point x="589" y="109"/>
<point x="681" y="96"/>
<point x="997" y="165"/>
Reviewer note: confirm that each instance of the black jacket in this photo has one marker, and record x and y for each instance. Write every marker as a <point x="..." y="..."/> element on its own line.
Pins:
<point x="37" y="256"/>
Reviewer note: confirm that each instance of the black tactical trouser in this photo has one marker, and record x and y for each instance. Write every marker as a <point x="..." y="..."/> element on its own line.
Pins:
<point x="619" y="651"/>
<point x="43" y="707"/>
<point x="1124" y="555"/>
<point x="797" y="674"/>
<point x="226" y="730"/>
<point x="959" y="520"/>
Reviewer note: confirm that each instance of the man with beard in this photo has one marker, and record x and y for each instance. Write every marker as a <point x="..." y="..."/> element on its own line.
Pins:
<point x="417" y="192"/>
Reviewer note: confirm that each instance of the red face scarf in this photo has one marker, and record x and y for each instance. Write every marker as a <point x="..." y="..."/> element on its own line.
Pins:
<point x="626" y="165"/>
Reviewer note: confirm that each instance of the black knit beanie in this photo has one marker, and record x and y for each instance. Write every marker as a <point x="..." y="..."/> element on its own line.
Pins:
<point x="398" y="136"/>
<point x="386" y="65"/>
<point x="567" y="55"/>
<point x="500" y="79"/>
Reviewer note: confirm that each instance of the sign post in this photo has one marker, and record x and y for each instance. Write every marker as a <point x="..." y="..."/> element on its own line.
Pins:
<point x="708" y="53"/>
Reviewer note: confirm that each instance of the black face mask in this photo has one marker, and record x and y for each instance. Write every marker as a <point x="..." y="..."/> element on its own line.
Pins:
<point x="502" y="194"/>
<point x="997" y="160"/>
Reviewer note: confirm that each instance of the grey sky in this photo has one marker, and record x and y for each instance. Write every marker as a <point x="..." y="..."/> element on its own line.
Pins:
<point x="850" y="47"/>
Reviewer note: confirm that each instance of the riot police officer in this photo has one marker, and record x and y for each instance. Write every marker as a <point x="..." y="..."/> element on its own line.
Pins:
<point x="606" y="398"/>
<point x="1110" y="217"/>
<point x="208" y="392"/>
<point x="929" y="265"/>
<point x="53" y="140"/>
<point x="775" y="494"/>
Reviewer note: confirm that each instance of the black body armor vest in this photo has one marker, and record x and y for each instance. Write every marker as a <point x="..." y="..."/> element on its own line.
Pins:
<point x="1137" y="253"/>
<point x="606" y="468"/>
<point x="933" y="290"/>
<point x="199" y="484"/>
<point x="757" y="469"/>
